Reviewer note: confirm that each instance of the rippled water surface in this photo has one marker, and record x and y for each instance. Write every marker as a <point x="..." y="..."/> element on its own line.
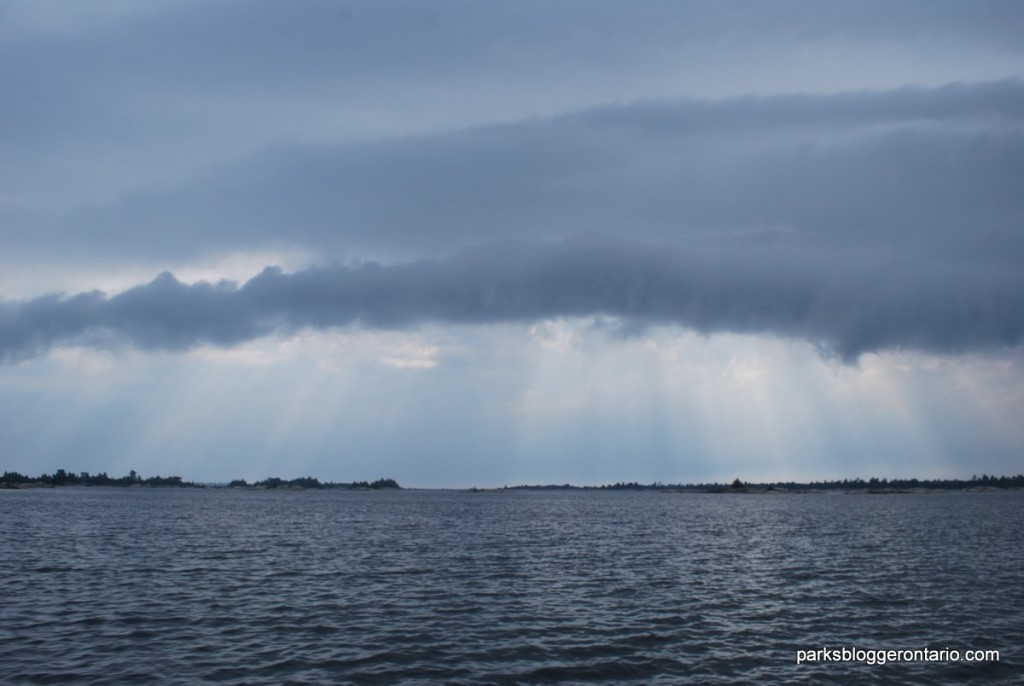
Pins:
<point x="170" y="586"/>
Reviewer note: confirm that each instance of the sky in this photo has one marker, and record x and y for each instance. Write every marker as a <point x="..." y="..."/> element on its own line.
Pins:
<point x="486" y="243"/>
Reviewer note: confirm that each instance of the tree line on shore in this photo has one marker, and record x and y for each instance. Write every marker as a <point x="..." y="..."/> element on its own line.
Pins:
<point x="855" y="484"/>
<point x="63" y="477"/>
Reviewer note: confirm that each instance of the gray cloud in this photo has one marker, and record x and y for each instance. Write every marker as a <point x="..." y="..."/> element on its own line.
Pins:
<point x="921" y="171"/>
<point x="900" y="106"/>
<point x="803" y="191"/>
<point x="848" y="304"/>
<point x="176" y="130"/>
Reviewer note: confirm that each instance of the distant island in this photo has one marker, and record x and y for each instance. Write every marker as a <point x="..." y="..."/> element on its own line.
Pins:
<point x="65" y="478"/>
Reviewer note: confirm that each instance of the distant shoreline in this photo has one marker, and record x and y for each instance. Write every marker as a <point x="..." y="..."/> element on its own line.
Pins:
<point x="873" y="486"/>
<point x="62" y="478"/>
<point x="851" y="487"/>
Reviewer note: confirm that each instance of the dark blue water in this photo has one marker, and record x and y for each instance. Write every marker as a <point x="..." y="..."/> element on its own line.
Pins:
<point x="115" y="586"/>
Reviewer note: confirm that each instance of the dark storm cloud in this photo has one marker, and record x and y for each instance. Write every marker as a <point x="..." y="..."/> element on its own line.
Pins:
<point x="772" y="212"/>
<point x="933" y="171"/>
<point x="847" y="304"/>
<point x="163" y="314"/>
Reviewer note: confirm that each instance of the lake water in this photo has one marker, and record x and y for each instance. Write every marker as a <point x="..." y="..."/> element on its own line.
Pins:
<point x="163" y="586"/>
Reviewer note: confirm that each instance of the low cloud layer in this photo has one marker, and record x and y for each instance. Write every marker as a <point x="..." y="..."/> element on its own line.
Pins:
<point x="848" y="304"/>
